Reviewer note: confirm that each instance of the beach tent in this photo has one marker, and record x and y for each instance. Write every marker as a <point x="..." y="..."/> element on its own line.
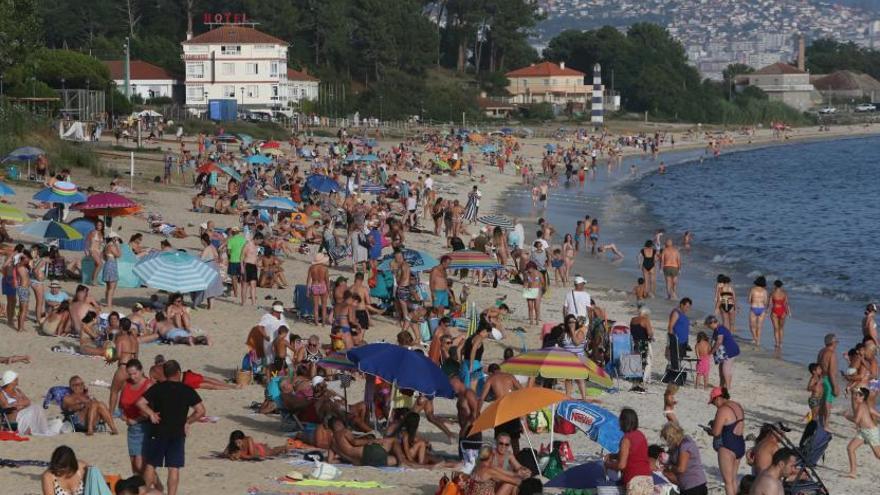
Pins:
<point x="74" y="132"/>
<point x="149" y="113"/>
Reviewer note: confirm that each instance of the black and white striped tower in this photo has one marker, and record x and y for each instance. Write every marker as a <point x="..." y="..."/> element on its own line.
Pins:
<point x="597" y="114"/>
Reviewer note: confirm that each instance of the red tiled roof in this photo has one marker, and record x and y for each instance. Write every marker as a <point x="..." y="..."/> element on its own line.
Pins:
<point x="486" y="103"/>
<point x="140" y="70"/>
<point x="295" y="75"/>
<point x="778" y="68"/>
<point x="234" y="34"/>
<point x="544" y="69"/>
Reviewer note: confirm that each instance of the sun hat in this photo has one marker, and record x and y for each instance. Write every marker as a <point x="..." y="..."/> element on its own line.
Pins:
<point x="321" y="259"/>
<point x="579" y="280"/>
<point x="9" y="376"/>
<point x="715" y="393"/>
<point x="317" y="380"/>
<point x="278" y="307"/>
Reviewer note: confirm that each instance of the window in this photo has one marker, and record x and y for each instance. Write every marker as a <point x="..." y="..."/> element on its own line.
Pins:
<point x="230" y="49"/>
<point x="546" y="82"/>
<point x="274" y="92"/>
<point x="229" y="91"/>
<point x="265" y="47"/>
<point x="273" y="69"/>
<point x="251" y="69"/>
<point x="253" y="91"/>
<point x="227" y="69"/>
<point x="195" y="93"/>
<point x="195" y="70"/>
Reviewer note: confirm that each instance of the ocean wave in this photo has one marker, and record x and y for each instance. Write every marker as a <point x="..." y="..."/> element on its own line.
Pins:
<point x="725" y="259"/>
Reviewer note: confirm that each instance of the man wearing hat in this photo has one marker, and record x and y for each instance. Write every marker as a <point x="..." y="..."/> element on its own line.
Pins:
<point x="272" y="321"/>
<point x="55" y="296"/>
<point x="577" y="301"/>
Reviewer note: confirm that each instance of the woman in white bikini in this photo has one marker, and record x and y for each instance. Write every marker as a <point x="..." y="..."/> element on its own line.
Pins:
<point x="95" y="248"/>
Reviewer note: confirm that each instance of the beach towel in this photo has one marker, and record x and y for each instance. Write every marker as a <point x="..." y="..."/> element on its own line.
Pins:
<point x="23" y="462"/>
<point x="95" y="484"/>
<point x="338" y="484"/>
<point x="11" y="436"/>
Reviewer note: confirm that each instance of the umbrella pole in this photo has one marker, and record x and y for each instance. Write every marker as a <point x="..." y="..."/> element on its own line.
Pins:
<point x="552" y="420"/>
<point x="531" y="447"/>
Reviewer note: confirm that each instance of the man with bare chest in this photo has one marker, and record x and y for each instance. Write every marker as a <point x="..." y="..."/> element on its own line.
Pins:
<point x="499" y="384"/>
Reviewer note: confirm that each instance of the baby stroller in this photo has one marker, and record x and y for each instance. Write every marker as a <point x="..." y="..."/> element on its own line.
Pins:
<point x="811" y="449"/>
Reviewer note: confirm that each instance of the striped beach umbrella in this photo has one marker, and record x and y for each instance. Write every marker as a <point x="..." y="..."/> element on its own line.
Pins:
<point x="175" y="271"/>
<point x="61" y="192"/>
<point x="555" y="362"/>
<point x="5" y="190"/>
<point x="337" y="361"/>
<point x="369" y="188"/>
<point x="277" y="203"/>
<point x="47" y="229"/>
<point x="472" y="260"/>
<point x="496" y="221"/>
<point x="12" y="214"/>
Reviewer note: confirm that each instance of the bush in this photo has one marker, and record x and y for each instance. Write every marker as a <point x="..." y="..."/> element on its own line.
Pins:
<point x="261" y="130"/>
<point x="537" y="111"/>
<point x="160" y="100"/>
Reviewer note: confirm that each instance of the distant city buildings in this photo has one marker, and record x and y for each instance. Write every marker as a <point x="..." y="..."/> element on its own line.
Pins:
<point x="717" y="33"/>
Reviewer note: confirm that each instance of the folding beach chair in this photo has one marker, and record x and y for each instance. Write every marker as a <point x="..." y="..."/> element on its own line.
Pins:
<point x="302" y="303"/>
<point x="626" y="364"/>
<point x="677" y="365"/>
<point x="5" y="422"/>
<point x="811" y="449"/>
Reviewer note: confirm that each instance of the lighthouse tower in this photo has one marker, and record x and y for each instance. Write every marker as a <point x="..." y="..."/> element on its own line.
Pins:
<point x="597" y="115"/>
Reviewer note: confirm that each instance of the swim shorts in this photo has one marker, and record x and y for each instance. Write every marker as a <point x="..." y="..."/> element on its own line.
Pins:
<point x="23" y="294"/>
<point x="374" y="456"/>
<point x="670" y="271"/>
<point x="828" y="390"/>
<point x="234" y="270"/>
<point x="250" y="272"/>
<point x="441" y="298"/>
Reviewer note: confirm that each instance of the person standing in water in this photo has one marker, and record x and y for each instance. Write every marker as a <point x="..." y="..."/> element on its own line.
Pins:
<point x="670" y="260"/>
<point x="648" y="262"/>
<point x="869" y="325"/>
<point x="758" y="302"/>
<point x="779" y="311"/>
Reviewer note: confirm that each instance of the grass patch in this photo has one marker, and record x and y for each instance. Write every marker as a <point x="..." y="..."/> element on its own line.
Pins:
<point x="261" y="130"/>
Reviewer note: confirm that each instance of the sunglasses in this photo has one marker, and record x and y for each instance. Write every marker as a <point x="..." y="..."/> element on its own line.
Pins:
<point x="503" y="444"/>
<point x="80" y="384"/>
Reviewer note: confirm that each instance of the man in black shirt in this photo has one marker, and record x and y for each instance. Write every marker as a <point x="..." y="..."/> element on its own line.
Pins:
<point x="166" y="404"/>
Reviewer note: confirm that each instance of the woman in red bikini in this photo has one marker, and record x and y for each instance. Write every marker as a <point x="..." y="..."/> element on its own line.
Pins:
<point x="242" y="447"/>
<point x="779" y="311"/>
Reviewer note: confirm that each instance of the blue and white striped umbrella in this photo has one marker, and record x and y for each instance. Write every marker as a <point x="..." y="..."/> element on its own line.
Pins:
<point x="277" y="203"/>
<point x="368" y="188"/>
<point x="175" y="271"/>
<point x="497" y="221"/>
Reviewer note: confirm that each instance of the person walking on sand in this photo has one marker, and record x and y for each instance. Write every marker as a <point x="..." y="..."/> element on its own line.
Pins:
<point x="724" y="348"/>
<point x="869" y="324"/>
<point x="867" y="432"/>
<point x="758" y="301"/>
<point x="779" y="311"/>
<point x="249" y="269"/>
<point x="670" y="260"/>
<point x="317" y="283"/>
<point x="827" y="359"/>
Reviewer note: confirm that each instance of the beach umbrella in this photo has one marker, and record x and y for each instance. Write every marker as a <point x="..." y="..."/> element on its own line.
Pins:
<point x="472" y="260"/>
<point x="230" y="172"/>
<point x="337" y="361"/>
<point x="489" y="148"/>
<point x="403" y="368"/>
<point x="600" y="424"/>
<point x="24" y="154"/>
<point x="12" y="214"/>
<point x="46" y="229"/>
<point x="277" y="203"/>
<point x="497" y="221"/>
<point x="369" y="188"/>
<point x="245" y="138"/>
<point x="583" y="477"/>
<point x="61" y="192"/>
<point x="175" y="271"/>
<point x="104" y="201"/>
<point x="556" y="362"/>
<point x="362" y="158"/>
<point x="207" y="168"/>
<point x="322" y="183"/>
<point x="6" y="190"/>
<point x="271" y="144"/>
<point x="419" y="261"/>
<point x="515" y="405"/>
<point x="272" y="152"/>
<point x="258" y="160"/>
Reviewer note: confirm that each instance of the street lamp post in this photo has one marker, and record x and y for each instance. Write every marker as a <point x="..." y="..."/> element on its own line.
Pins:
<point x="1" y="84"/>
<point x="63" y="96"/>
<point x="88" y="97"/>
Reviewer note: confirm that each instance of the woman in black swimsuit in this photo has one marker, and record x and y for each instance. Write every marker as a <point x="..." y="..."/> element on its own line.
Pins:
<point x="647" y="257"/>
<point x="725" y="302"/>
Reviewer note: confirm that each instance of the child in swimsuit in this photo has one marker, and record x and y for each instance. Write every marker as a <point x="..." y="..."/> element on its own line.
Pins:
<point x="242" y="447"/>
<point x="816" y="390"/>
<point x="669" y="402"/>
<point x="704" y="356"/>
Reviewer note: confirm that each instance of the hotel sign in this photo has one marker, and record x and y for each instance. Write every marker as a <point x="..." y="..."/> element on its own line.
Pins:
<point x="225" y="18"/>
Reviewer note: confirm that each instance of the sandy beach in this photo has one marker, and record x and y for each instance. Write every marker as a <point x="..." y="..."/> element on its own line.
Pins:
<point x="769" y="389"/>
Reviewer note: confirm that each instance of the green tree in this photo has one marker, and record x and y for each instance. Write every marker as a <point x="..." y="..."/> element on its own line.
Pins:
<point x="20" y="31"/>
<point x="77" y="69"/>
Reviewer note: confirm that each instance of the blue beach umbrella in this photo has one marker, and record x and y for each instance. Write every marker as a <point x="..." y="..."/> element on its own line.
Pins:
<point x="600" y="424"/>
<point x="259" y="160"/>
<point x="24" y="154"/>
<point x="588" y="476"/>
<point x="5" y="190"/>
<point x="245" y="138"/>
<point x="322" y="183"/>
<point x="489" y="148"/>
<point x="230" y="172"/>
<point x="45" y="229"/>
<point x="419" y="261"/>
<point x="362" y="158"/>
<point x="402" y="367"/>
<point x="61" y="192"/>
<point x="277" y="203"/>
<point x="175" y="271"/>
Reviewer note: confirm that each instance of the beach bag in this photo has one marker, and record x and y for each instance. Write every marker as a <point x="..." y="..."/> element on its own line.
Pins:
<point x="243" y="377"/>
<point x="554" y="466"/>
<point x="325" y="472"/>
<point x="539" y="421"/>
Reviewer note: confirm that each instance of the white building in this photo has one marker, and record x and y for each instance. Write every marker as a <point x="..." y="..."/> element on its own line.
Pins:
<point x="301" y="86"/>
<point x="236" y="62"/>
<point x="146" y="80"/>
